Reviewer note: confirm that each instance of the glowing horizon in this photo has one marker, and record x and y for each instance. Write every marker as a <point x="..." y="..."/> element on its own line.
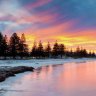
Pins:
<point x="71" y="22"/>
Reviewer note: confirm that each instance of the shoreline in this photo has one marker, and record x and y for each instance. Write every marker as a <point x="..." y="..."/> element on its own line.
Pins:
<point x="6" y="71"/>
<point x="9" y="69"/>
<point x="35" y="63"/>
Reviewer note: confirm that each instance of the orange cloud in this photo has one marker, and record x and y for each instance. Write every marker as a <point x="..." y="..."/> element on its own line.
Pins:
<point x="85" y="38"/>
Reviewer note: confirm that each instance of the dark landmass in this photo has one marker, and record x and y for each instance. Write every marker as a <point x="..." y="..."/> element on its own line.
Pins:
<point x="6" y="72"/>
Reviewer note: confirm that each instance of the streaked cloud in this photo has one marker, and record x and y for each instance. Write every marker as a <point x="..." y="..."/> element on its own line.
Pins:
<point x="71" y="22"/>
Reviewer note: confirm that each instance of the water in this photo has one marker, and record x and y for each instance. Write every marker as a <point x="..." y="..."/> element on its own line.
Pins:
<point x="70" y="79"/>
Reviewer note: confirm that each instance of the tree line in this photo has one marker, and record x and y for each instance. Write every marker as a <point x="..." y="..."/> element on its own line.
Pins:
<point x="16" y="47"/>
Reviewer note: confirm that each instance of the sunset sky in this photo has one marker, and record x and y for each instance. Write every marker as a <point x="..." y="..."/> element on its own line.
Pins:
<point x="72" y="22"/>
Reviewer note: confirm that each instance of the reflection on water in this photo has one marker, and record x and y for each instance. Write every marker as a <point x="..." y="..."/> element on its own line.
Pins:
<point x="74" y="79"/>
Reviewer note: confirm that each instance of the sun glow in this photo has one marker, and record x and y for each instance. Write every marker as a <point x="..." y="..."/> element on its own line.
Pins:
<point x="46" y="25"/>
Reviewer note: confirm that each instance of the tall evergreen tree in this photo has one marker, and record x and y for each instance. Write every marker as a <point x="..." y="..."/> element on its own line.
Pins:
<point x="40" y="50"/>
<point x="71" y="53"/>
<point x="14" y="45"/>
<point x="61" y="50"/>
<point x="77" y="52"/>
<point x="48" y="50"/>
<point x="90" y="54"/>
<point x="1" y="37"/>
<point x="83" y="53"/>
<point x="1" y="43"/>
<point x="4" y="46"/>
<point x="93" y="54"/>
<point x="55" y="49"/>
<point x="23" y="47"/>
<point x="34" y="50"/>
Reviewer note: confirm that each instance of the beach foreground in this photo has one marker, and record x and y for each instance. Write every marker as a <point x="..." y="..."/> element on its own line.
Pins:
<point x="67" y="79"/>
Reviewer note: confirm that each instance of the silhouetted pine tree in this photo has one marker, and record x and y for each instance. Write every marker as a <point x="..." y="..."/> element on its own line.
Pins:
<point x="4" y="47"/>
<point x="14" y="45"/>
<point x="55" y="50"/>
<point x="40" y="50"/>
<point x="77" y="52"/>
<point x="61" y="50"/>
<point x="23" y="47"/>
<point x="93" y="54"/>
<point x="90" y="54"/>
<point x="1" y="43"/>
<point x="48" y="50"/>
<point x="84" y="53"/>
<point x="34" y="50"/>
<point x="71" y="53"/>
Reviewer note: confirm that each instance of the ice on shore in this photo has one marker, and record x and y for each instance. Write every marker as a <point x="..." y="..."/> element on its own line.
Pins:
<point x="41" y="62"/>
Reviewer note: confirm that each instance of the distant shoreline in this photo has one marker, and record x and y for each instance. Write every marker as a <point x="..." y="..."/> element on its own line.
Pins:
<point x="29" y="58"/>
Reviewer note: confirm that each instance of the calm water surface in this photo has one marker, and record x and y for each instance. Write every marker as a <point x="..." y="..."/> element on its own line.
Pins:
<point x="74" y="79"/>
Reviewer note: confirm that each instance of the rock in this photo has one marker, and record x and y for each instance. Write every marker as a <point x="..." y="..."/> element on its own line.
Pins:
<point x="6" y="72"/>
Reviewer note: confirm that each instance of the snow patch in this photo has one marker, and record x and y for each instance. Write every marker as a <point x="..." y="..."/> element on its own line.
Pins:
<point x="41" y="62"/>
